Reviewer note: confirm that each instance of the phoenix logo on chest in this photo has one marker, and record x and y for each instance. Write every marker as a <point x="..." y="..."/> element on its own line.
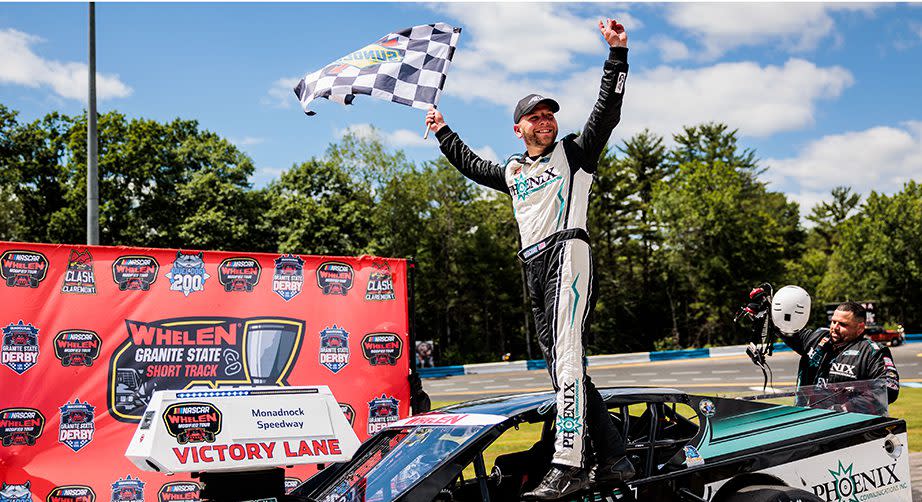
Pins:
<point x="522" y="187"/>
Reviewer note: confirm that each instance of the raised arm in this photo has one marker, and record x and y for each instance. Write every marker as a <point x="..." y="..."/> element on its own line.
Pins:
<point x="606" y="113"/>
<point x="464" y="159"/>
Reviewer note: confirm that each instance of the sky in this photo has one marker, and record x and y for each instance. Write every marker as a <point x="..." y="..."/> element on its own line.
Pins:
<point x="826" y="94"/>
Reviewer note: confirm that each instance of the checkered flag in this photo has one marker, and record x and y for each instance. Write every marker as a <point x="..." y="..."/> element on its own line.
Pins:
<point x="406" y="67"/>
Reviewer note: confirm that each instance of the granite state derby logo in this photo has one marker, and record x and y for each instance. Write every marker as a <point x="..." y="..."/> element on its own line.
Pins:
<point x="19" y="351"/>
<point x="188" y="273"/>
<point x="334" y="348"/>
<point x="128" y="490"/>
<point x="381" y="412"/>
<point x="77" y="427"/>
<point x="288" y="279"/>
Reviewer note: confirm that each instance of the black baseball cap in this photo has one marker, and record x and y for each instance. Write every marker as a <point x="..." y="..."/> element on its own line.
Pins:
<point x="528" y="103"/>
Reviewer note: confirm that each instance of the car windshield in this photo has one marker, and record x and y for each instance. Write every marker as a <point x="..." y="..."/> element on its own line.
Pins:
<point x="860" y="396"/>
<point x="397" y="459"/>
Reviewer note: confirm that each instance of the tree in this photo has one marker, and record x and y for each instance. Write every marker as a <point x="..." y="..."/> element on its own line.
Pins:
<point x="625" y="236"/>
<point x="879" y="255"/>
<point x="723" y="231"/>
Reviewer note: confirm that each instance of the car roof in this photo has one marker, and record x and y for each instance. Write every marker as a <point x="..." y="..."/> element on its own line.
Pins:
<point x="516" y="404"/>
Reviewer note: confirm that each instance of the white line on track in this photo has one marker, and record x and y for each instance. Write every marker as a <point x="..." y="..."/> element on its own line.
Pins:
<point x="707" y="379"/>
<point x="665" y="380"/>
<point x="685" y="373"/>
<point x="496" y="387"/>
<point x="644" y="374"/>
<point x="725" y="371"/>
<point x="521" y="379"/>
<point x="456" y="389"/>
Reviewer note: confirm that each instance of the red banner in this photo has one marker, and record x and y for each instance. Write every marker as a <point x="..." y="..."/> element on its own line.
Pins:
<point x="90" y="332"/>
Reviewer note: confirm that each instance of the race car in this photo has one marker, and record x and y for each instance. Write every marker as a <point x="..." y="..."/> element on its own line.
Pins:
<point x="684" y="447"/>
<point x="883" y="336"/>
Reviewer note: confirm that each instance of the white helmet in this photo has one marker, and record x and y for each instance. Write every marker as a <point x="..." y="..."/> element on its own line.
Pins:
<point x="790" y="309"/>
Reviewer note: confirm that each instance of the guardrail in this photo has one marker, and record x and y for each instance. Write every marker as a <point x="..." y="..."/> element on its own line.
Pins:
<point x="604" y="360"/>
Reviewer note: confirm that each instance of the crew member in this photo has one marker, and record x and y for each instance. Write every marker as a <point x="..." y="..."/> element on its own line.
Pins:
<point x="842" y="354"/>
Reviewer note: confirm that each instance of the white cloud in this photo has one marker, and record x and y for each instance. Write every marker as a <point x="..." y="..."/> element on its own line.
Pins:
<point x="487" y="153"/>
<point x="881" y="158"/>
<point x="21" y="66"/>
<point x="522" y="38"/>
<point x="247" y="141"/>
<point x="670" y="49"/>
<point x="724" y="26"/>
<point x="757" y="100"/>
<point x="263" y="175"/>
<point x="401" y="138"/>
<point x="281" y="94"/>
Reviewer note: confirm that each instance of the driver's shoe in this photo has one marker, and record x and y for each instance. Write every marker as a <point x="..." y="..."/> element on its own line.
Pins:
<point x="612" y="471"/>
<point x="559" y="482"/>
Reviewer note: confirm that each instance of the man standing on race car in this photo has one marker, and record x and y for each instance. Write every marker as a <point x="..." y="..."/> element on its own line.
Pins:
<point x="841" y="354"/>
<point x="549" y="185"/>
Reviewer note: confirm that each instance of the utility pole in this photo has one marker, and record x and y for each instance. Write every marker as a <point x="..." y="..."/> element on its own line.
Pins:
<point x="92" y="169"/>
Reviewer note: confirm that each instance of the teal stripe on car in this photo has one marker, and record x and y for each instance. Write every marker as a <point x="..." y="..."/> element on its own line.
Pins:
<point x="772" y="425"/>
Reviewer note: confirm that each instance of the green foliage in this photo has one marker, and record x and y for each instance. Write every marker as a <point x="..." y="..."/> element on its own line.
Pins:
<point x="879" y="255"/>
<point x="680" y="233"/>
<point x="723" y="232"/>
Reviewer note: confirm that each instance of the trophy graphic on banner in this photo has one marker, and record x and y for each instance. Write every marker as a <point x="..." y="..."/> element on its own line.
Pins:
<point x="268" y="349"/>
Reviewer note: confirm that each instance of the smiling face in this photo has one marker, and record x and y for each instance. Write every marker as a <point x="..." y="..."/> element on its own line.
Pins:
<point x="538" y="129"/>
<point x="844" y="327"/>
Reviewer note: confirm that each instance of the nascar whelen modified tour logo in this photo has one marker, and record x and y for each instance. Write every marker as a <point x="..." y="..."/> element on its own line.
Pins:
<point x="20" y="492"/>
<point x="135" y="272"/>
<point x="334" y="348"/>
<point x="335" y="278"/>
<point x="19" y="351"/>
<point x="20" y="426"/>
<point x="128" y="490"/>
<point x="71" y="493"/>
<point x="381" y="412"/>
<point x="239" y="274"/>
<point x="382" y="349"/>
<point x="77" y="347"/>
<point x="193" y="422"/>
<point x="79" y="278"/>
<point x="188" y="273"/>
<point x="77" y="427"/>
<point x="23" y="269"/>
<point x="185" y="491"/>
<point x="380" y="283"/>
<point x="174" y="354"/>
<point x="288" y="279"/>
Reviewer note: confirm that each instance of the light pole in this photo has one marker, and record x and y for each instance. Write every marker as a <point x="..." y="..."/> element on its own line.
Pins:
<point x="92" y="170"/>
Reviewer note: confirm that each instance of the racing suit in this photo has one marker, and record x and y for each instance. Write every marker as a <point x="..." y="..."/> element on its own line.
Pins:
<point x="822" y="363"/>
<point x="550" y="198"/>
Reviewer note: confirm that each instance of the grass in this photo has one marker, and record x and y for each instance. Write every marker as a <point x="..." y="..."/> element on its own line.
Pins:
<point x="909" y="408"/>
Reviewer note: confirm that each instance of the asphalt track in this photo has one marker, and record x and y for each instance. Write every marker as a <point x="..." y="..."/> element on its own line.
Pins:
<point x="713" y="375"/>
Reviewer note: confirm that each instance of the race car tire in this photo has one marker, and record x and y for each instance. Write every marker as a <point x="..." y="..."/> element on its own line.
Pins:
<point x="762" y="493"/>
